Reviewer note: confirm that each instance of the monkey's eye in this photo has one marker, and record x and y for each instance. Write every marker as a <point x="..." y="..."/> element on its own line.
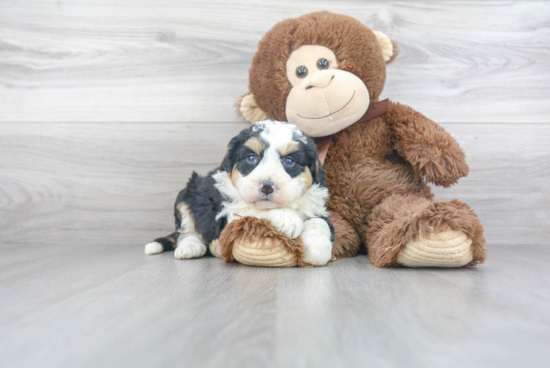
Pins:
<point x="252" y="159"/>
<point x="322" y="63"/>
<point x="301" y="71"/>
<point x="288" y="161"/>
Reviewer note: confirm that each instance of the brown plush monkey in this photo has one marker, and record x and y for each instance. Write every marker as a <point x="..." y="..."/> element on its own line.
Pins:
<point x="324" y="72"/>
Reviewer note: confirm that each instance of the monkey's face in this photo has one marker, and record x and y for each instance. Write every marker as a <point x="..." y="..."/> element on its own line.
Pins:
<point x="320" y="71"/>
<point x="323" y="100"/>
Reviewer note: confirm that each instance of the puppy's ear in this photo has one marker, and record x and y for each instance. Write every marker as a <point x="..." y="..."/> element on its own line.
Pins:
<point x="232" y="150"/>
<point x="314" y="164"/>
<point x="319" y="173"/>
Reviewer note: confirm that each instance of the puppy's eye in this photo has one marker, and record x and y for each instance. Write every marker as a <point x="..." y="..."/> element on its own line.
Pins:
<point x="252" y="159"/>
<point x="301" y="71"/>
<point x="288" y="161"/>
<point x="322" y="63"/>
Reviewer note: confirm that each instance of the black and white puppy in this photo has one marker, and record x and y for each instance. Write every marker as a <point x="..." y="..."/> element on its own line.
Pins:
<point x="270" y="171"/>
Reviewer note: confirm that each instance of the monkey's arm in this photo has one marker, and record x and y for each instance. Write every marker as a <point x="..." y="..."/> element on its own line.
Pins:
<point x="431" y="151"/>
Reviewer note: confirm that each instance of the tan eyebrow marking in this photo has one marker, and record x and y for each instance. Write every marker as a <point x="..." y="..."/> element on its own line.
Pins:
<point x="234" y="175"/>
<point x="307" y="178"/>
<point x="288" y="148"/>
<point x="255" y="145"/>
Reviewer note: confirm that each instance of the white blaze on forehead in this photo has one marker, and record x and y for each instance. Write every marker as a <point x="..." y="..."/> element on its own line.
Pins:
<point x="277" y="133"/>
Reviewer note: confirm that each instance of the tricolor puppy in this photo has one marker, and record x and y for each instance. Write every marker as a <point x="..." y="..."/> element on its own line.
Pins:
<point x="270" y="171"/>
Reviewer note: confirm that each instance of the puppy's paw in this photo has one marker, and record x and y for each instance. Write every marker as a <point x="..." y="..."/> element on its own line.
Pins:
<point x="190" y="247"/>
<point x="317" y="250"/>
<point x="293" y="230"/>
<point x="316" y="240"/>
<point x="286" y="221"/>
<point x="154" y="248"/>
<point x="292" y="227"/>
<point x="215" y="248"/>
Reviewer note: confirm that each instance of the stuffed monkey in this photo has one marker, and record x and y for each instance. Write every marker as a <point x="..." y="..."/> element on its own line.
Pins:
<point x="324" y="73"/>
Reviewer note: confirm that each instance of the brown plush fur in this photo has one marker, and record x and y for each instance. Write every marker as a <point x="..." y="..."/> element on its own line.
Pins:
<point x="399" y="219"/>
<point x="393" y="156"/>
<point x="256" y="230"/>
<point x="346" y="239"/>
<point x="377" y="172"/>
<point x="355" y="46"/>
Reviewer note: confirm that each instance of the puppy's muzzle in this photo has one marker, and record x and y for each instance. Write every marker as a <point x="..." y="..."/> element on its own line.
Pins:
<point x="267" y="187"/>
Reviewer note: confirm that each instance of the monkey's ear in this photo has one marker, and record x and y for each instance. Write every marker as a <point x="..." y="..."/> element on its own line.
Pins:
<point x="389" y="47"/>
<point x="250" y="109"/>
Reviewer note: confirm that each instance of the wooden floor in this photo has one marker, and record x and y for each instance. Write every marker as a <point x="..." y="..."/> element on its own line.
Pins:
<point x="112" y="306"/>
<point x="106" y="107"/>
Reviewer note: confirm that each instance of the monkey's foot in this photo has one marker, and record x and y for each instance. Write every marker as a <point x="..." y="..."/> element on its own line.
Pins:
<point x="255" y="242"/>
<point x="445" y="249"/>
<point x="416" y="232"/>
<point x="266" y="253"/>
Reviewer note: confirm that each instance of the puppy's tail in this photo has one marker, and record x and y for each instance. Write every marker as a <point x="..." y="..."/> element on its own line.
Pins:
<point x="163" y="244"/>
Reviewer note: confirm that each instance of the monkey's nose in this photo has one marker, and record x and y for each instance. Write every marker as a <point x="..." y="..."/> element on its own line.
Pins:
<point x="267" y="187"/>
<point x="320" y="79"/>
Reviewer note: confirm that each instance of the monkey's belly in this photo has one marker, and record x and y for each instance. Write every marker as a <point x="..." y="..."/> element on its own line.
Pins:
<point x="355" y="192"/>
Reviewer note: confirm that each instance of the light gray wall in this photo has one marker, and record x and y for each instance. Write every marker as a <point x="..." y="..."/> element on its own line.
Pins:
<point x="107" y="106"/>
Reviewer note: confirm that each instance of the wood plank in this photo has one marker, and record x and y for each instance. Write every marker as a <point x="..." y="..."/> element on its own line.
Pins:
<point x="509" y="181"/>
<point x="89" y="283"/>
<point x="100" y="182"/>
<point x="113" y="306"/>
<point x="182" y="61"/>
<point x="116" y="183"/>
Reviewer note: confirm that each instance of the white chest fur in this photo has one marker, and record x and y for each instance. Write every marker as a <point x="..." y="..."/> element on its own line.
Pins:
<point x="289" y="220"/>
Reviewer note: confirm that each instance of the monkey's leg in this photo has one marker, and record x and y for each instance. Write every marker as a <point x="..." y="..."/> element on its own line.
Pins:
<point x="346" y="240"/>
<point x="416" y="232"/>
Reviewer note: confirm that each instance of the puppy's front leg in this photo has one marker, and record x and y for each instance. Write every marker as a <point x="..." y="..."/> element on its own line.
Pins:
<point x="316" y="238"/>
<point x="286" y="221"/>
<point x="189" y="245"/>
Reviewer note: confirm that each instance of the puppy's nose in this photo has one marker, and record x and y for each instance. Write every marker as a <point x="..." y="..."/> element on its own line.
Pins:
<point x="320" y="79"/>
<point x="267" y="187"/>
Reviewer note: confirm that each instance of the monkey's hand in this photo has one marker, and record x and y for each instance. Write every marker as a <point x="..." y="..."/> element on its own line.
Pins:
<point x="286" y="221"/>
<point x="429" y="148"/>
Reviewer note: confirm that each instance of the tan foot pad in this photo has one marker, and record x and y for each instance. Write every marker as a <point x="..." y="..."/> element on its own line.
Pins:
<point x="445" y="249"/>
<point x="254" y="242"/>
<point x="265" y="252"/>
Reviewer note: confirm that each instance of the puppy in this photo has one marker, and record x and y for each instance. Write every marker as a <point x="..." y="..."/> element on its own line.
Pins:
<point x="271" y="171"/>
